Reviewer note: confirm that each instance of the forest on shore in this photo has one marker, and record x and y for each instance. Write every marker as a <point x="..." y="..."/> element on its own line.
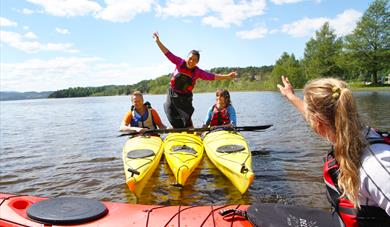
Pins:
<point x="361" y="58"/>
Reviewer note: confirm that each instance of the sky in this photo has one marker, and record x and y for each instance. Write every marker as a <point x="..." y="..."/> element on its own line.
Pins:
<point x="48" y="45"/>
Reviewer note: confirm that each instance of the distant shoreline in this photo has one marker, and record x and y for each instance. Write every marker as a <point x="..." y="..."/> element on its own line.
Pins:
<point x="27" y="95"/>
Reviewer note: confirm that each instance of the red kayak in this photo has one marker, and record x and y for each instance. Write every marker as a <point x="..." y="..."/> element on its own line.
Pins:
<point x="17" y="210"/>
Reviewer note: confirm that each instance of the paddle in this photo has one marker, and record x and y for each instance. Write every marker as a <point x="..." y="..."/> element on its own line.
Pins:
<point x="191" y="130"/>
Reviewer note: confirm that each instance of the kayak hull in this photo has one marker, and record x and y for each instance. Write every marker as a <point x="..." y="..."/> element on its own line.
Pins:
<point x="183" y="152"/>
<point x="13" y="212"/>
<point x="141" y="156"/>
<point x="229" y="152"/>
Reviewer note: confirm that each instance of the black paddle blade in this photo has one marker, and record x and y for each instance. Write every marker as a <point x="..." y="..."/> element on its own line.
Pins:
<point x="252" y="128"/>
<point x="193" y="130"/>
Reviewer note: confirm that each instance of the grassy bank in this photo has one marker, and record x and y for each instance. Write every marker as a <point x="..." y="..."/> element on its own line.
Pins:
<point x="371" y="87"/>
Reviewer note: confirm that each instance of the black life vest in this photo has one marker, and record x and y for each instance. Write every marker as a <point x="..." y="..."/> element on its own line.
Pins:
<point x="351" y="216"/>
<point x="219" y="116"/>
<point x="183" y="81"/>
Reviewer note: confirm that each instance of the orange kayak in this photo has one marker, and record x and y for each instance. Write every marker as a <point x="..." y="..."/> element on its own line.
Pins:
<point x="18" y="210"/>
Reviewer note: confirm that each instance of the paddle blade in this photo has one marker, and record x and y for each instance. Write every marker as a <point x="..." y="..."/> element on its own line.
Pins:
<point x="252" y="128"/>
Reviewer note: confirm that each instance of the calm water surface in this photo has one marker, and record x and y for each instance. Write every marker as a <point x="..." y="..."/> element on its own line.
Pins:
<point x="69" y="147"/>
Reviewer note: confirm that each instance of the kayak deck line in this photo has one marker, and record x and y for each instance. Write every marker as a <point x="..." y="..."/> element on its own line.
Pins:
<point x="14" y="210"/>
<point x="229" y="152"/>
<point x="183" y="152"/>
<point x="141" y="156"/>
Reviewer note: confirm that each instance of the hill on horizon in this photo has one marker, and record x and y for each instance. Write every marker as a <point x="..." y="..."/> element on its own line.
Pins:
<point x="15" y="95"/>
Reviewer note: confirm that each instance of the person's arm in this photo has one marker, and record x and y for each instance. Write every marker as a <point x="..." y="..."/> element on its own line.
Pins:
<point x="157" y="120"/>
<point x="288" y="91"/>
<point x="159" y="43"/>
<point x="171" y="57"/>
<point x="374" y="176"/>
<point x="207" y="120"/>
<point x="232" y="115"/>
<point x="230" y="75"/>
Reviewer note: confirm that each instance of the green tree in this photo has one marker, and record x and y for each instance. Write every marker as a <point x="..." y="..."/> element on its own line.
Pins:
<point x="369" y="44"/>
<point x="322" y="53"/>
<point x="289" y="66"/>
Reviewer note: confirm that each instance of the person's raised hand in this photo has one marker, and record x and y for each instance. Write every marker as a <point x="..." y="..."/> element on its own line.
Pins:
<point x="156" y="37"/>
<point x="232" y="75"/>
<point x="286" y="89"/>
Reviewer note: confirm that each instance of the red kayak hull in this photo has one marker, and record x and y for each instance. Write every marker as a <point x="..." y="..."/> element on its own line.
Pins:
<point x="13" y="213"/>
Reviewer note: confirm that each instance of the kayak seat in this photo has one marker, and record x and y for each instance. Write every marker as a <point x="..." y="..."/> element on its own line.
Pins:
<point x="183" y="148"/>
<point x="140" y="153"/>
<point x="66" y="211"/>
<point x="230" y="148"/>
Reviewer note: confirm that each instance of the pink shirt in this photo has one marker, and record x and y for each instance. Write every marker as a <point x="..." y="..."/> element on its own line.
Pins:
<point x="195" y="73"/>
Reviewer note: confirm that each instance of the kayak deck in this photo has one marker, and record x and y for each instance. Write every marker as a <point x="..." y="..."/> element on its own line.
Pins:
<point x="183" y="152"/>
<point x="141" y="156"/>
<point x="13" y="212"/>
<point x="229" y="152"/>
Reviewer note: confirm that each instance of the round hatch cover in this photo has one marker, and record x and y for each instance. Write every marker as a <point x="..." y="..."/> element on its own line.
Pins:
<point x="67" y="210"/>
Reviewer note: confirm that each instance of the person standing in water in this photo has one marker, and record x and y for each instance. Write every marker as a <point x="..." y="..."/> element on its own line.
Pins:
<point x="178" y="106"/>
<point x="141" y="116"/>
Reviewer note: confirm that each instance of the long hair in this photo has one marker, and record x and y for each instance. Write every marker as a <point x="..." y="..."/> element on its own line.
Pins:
<point x="332" y="102"/>
<point x="224" y="93"/>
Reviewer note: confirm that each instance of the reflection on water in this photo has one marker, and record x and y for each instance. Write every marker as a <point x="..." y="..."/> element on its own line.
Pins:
<point x="57" y="147"/>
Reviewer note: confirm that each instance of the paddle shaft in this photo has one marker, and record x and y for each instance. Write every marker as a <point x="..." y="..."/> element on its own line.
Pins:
<point x="192" y="130"/>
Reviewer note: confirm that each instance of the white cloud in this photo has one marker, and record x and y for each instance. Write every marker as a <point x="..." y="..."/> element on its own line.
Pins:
<point x="115" y="11"/>
<point x="216" y="13"/>
<point x="17" y="41"/>
<point x="343" y="24"/>
<point x="27" y="11"/>
<point x="346" y="22"/>
<point x="26" y="27"/>
<point x="4" y="22"/>
<point x="62" y="31"/>
<point x="30" y="35"/>
<point x="124" y="10"/>
<point x="256" y="33"/>
<point x="68" y="8"/>
<point x="304" y="27"/>
<point x="183" y="8"/>
<point x="281" y="2"/>
<point x="61" y="73"/>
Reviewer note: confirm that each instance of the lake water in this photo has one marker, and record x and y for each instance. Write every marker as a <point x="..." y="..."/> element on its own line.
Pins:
<point x="69" y="147"/>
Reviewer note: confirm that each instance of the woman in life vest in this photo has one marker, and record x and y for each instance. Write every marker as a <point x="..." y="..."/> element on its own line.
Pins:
<point x="178" y="106"/>
<point x="141" y="116"/>
<point x="222" y="113"/>
<point x="357" y="173"/>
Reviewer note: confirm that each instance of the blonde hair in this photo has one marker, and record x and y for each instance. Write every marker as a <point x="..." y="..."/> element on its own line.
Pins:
<point x="332" y="102"/>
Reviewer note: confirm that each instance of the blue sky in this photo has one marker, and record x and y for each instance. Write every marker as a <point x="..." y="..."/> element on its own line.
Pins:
<point x="47" y="45"/>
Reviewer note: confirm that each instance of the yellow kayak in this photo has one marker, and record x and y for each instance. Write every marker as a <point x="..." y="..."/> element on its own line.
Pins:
<point x="141" y="156"/>
<point x="229" y="152"/>
<point x="183" y="152"/>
